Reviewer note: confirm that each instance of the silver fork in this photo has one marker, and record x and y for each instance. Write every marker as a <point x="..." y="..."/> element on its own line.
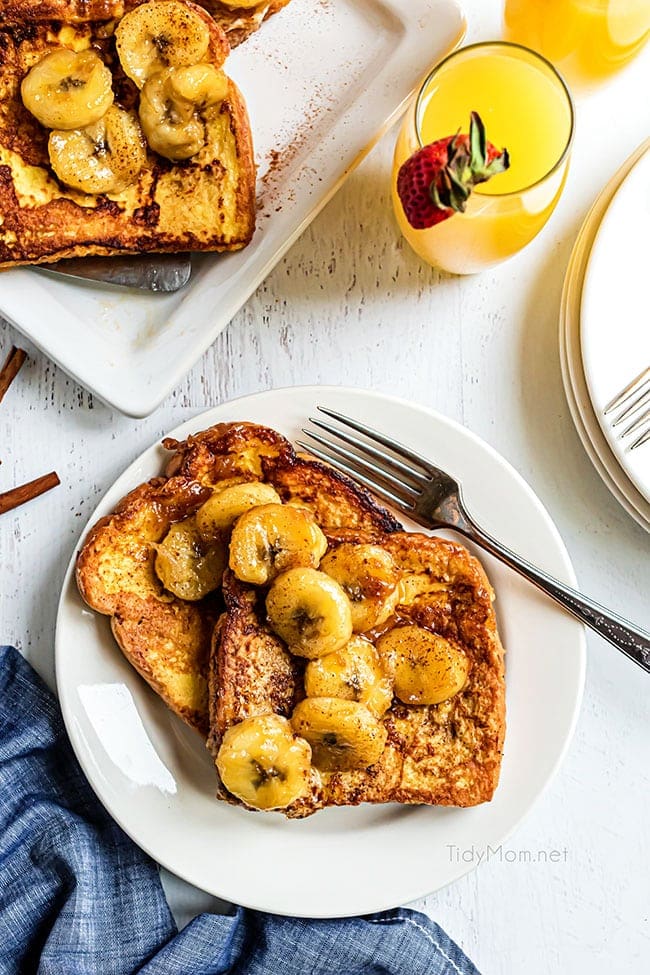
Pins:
<point x="433" y="499"/>
<point x="635" y="397"/>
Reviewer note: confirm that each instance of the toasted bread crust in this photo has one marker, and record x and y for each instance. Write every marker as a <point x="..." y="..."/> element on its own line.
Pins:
<point x="251" y="671"/>
<point x="204" y="204"/>
<point x="445" y="754"/>
<point x="166" y="639"/>
<point x="248" y="451"/>
<point x="240" y="22"/>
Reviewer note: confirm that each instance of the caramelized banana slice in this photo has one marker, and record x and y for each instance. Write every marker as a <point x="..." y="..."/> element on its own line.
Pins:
<point x="353" y="673"/>
<point x="185" y="566"/>
<point x="102" y="158"/>
<point x="273" y="538"/>
<point x="68" y="89"/>
<point x="171" y="104"/>
<point x="221" y="511"/>
<point x="368" y="576"/>
<point x="343" y="735"/>
<point x="309" y="611"/>
<point x="160" y="34"/>
<point x="263" y="763"/>
<point x="243" y="4"/>
<point x="427" y="668"/>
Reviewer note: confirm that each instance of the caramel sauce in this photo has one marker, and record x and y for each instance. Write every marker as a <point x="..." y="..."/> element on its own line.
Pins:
<point x="376" y="632"/>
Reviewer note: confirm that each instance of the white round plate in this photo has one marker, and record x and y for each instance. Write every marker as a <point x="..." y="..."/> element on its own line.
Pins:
<point x="615" y="316"/>
<point x="573" y="374"/>
<point x="155" y="777"/>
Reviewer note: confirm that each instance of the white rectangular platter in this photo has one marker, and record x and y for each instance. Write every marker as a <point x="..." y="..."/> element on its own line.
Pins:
<point x="323" y="80"/>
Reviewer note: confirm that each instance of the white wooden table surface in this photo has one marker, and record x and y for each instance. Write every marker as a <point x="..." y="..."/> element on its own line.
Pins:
<point x="351" y="304"/>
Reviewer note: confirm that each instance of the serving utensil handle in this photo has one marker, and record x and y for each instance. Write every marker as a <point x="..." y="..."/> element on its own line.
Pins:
<point x="631" y="640"/>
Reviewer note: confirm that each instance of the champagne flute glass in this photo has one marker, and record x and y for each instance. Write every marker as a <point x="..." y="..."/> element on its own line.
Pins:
<point x="526" y="107"/>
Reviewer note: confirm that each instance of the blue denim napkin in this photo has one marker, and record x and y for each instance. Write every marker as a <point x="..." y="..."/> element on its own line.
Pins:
<point x="77" y="897"/>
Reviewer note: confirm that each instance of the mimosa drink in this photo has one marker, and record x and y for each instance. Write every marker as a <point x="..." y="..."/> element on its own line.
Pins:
<point x="525" y="108"/>
<point x="586" y="39"/>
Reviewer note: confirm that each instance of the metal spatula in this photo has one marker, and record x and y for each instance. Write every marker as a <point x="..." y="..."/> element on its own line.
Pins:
<point x="147" y="272"/>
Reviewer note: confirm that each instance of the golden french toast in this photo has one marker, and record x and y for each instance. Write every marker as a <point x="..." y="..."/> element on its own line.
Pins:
<point x="238" y="19"/>
<point x="327" y="656"/>
<point x="410" y="708"/>
<point x="120" y="132"/>
<point x="165" y="629"/>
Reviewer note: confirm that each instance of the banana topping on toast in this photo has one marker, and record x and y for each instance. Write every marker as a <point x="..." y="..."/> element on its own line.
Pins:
<point x="158" y="36"/>
<point x="310" y="612"/>
<point x="352" y="661"/>
<point x="173" y="107"/>
<point x="411" y="710"/>
<point x="262" y="762"/>
<point x="356" y="672"/>
<point x="68" y="89"/>
<point x="104" y="157"/>
<point x="163" y="46"/>
<point x="154" y="566"/>
<point x="120" y="132"/>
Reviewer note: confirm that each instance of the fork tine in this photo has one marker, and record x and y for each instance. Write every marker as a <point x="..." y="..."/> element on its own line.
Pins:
<point x="375" y="488"/>
<point x="635" y="424"/>
<point x="385" y="478"/>
<point x="381" y="438"/>
<point x="636" y="404"/>
<point x="379" y="455"/>
<point x="640" y="440"/>
<point x="624" y="394"/>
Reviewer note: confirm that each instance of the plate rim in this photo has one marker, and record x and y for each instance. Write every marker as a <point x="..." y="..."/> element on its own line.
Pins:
<point x="588" y="302"/>
<point x="198" y="422"/>
<point x="600" y="455"/>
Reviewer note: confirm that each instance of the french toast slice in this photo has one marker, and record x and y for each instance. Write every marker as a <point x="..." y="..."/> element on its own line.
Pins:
<point x="206" y="203"/>
<point x="443" y="754"/>
<point x="168" y="639"/>
<point x="238" y="22"/>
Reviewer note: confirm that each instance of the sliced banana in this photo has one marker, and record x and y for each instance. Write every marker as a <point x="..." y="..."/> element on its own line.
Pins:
<point x="343" y="735"/>
<point x="68" y="89"/>
<point x="105" y="157"/>
<point x="185" y="566"/>
<point x="309" y="611"/>
<point x="353" y="673"/>
<point x="221" y="511"/>
<point x="160" y="34"/>
<point x="244" y="4"/>
<point x="369" y="577"/>
<point x="427" y="669"/>
<point x="263" y="763"/>
<point x="273" y="538"/>
<point x="171" y="106"/>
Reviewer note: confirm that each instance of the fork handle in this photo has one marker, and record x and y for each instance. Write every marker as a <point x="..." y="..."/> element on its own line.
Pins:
<point x="630" y="640"/>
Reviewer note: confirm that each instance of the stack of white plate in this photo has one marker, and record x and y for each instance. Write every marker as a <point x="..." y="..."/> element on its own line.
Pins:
<point x="605" y="328"/>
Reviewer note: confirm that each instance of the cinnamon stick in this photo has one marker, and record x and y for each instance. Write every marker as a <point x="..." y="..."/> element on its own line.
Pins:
<point x="9" y="370"/>
<point x="27" y="492"/>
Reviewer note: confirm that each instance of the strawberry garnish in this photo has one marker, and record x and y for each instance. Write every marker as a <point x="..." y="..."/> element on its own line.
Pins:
<point x="437" y="180"/>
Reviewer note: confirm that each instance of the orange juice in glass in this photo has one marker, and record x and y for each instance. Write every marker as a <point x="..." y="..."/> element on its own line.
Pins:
<point x="587" y="39"/>
<point x="526" y="108"/>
